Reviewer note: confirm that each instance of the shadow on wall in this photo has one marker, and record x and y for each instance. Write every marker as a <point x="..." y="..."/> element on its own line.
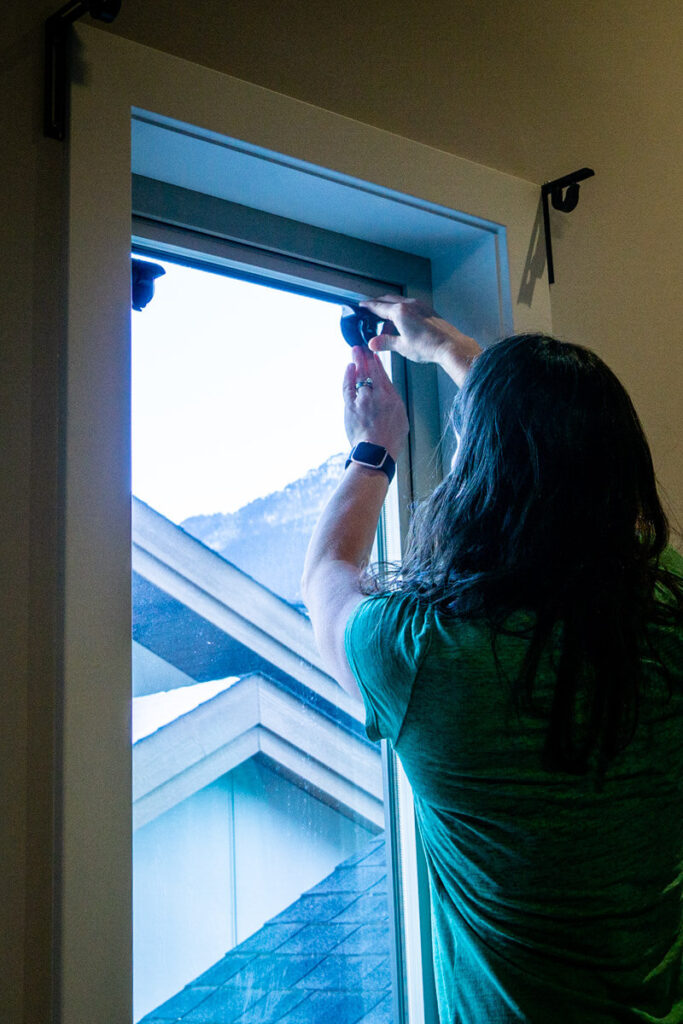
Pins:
<point x="534" y="265"/>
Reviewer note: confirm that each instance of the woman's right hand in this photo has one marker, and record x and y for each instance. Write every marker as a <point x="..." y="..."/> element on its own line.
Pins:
<point x="423" y="337"/>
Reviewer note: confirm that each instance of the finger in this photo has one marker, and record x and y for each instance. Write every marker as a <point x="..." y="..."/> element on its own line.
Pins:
<point x="386" y="305"/>
<point x="385" y="341"/>
<point x="389" y="298"/>
<point x="380" y="375"/>
<point x="349" y="384"/>
<point x="362" y="359"/>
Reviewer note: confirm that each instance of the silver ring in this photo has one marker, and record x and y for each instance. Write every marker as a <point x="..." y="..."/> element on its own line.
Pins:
<point x="365" y="383"/>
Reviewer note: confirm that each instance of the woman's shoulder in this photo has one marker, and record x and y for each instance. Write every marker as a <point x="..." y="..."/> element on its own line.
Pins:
<point x="397" y="615"/>
<point x="672" y="560"/>
<point x="669" y="586"/>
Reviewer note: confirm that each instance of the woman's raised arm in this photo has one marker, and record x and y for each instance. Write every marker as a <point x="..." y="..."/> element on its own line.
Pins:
<point x="423" y="336"/>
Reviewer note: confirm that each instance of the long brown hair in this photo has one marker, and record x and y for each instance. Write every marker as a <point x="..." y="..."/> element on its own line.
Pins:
<point x="552" y="506"/>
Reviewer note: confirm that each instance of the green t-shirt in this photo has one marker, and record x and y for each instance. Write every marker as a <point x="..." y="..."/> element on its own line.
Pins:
<point x="553" y="901"/>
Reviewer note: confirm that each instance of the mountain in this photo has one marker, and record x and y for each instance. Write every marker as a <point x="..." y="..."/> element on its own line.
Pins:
<point x="268" y="537"/>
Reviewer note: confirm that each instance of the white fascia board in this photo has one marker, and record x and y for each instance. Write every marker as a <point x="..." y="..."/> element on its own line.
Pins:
<point x="222" y="594"/>
<point x="333" y="789"/>
<point x="321" y="740"/>
<point x="160" y="537"/>
<point x="256" y="715"/>
<point x="193" y="737"/>
<point x="194" y="777"/>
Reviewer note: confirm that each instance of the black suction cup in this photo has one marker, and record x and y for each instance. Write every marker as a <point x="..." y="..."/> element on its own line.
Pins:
<point x="359" y="325"/>
<point x="143" y="274"/>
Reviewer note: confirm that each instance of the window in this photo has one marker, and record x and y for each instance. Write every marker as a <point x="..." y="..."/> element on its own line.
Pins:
<point x="257" y="150"/>
<point x="259" y="850"/>
<point x="242" y="745"/>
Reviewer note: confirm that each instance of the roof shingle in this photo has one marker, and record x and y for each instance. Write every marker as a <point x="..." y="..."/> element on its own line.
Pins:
<point x="325" y="959"/>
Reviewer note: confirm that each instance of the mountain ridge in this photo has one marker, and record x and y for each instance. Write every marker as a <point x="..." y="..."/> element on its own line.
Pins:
<point x="268" y="537"/>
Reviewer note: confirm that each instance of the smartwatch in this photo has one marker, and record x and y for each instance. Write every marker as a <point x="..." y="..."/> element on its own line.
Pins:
<point x="374" y="456"/>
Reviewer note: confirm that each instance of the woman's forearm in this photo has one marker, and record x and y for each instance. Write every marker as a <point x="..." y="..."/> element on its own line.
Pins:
<point x="346" y="529"/>
<point x="423" y="336"/>
<point x="342" y="541"/>
<point x="456" y="357"/>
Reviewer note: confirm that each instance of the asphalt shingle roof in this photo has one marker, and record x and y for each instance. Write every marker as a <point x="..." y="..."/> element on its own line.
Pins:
<point x="325" y="959"/>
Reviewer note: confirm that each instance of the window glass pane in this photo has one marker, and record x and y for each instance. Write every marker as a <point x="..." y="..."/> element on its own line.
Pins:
<point x="260" y="873"/>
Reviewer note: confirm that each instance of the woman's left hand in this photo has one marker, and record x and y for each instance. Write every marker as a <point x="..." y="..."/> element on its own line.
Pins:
<point x="373" y="413"/>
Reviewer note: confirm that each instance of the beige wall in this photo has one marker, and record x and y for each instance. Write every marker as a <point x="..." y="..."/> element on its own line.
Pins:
<point x="536" y="89"/>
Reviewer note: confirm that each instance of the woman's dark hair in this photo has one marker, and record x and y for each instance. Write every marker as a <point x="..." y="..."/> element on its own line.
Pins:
<point x="552" y="506"/>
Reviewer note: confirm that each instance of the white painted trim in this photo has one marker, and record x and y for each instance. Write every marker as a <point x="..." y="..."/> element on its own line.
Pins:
<point x="255" y="715"/>
<point x="200" y="579"/>
<point x="117" y="76"/>
<point x="332" y="786"/>
<point x="191" y="773"/>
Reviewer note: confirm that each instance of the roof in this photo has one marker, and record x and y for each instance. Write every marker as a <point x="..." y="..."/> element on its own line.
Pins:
<point x="324" y="958"/>
<point x="257" y="717"/>
<point x="209" y="619"/>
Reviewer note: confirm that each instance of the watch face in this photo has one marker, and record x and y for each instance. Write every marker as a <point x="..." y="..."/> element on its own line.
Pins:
<point x="370" y="454"/>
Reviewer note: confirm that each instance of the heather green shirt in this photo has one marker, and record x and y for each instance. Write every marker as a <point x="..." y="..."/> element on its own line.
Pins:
<point x="552" y="902"/>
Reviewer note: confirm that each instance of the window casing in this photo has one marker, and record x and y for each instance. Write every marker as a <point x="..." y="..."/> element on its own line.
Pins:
<point x="478" y="228"/>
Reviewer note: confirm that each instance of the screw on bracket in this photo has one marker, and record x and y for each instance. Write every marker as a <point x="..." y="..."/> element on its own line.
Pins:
<point x="57" y="58"/>
<point x="564" y="195"/>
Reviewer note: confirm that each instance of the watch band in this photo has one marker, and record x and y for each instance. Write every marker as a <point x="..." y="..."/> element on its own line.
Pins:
<point x="374" y="456"/>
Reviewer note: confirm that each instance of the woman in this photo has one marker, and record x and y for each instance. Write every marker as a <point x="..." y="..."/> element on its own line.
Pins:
<point x="526" y="664"/>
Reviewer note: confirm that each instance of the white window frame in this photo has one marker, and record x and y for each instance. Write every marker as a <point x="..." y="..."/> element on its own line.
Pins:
<point x="483" y="278"/>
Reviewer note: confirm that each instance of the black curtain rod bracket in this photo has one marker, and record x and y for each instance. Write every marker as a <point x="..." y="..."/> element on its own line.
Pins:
<point x="57" y="58"/>
<point x="564" y="195"/>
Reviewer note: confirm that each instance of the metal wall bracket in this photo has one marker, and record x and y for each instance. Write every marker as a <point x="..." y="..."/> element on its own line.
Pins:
<point x="57" y="58"/>
<point x="564" y="195"/>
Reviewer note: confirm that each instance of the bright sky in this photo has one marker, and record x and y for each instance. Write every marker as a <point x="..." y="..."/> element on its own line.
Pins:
<point x="236" y="391"/>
